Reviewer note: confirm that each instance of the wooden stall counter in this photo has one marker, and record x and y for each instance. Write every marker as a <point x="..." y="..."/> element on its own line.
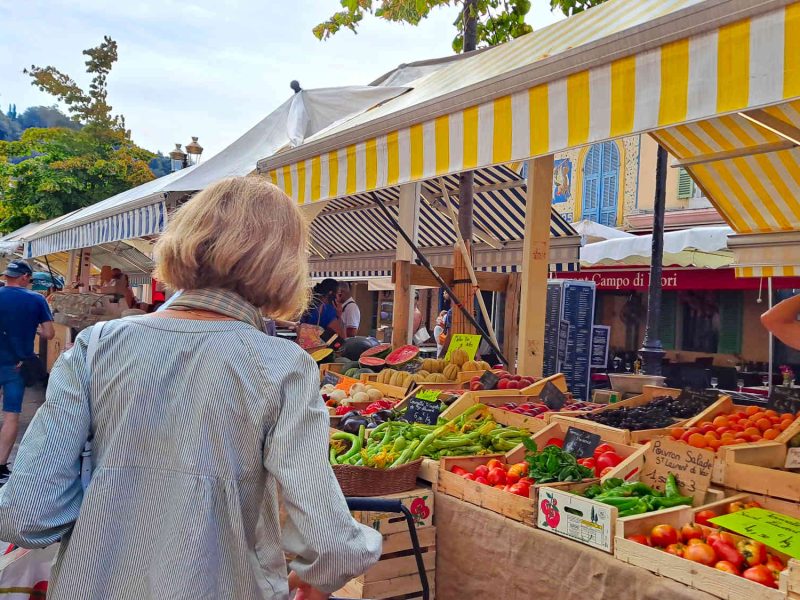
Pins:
<point x="481" y="554"/>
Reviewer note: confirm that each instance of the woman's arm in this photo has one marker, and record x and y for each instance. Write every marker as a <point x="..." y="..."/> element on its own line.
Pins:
<point x="331" y="548"/>
<point x="42" y="499"/>
<point x="782" y="321"/>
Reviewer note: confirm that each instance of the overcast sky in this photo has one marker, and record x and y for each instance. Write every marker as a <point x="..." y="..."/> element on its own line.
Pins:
<point x="210" y="68"/>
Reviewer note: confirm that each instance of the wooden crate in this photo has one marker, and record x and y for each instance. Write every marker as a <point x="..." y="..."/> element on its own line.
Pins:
<point x="504" y="417"/>
<point x="695" y="575"/>
<point x="625" y="436"/>
<point x="557" y="380"/>
<point x="396" y="574"/>
<point x="774" y="504"/>
<point x="758" y="468"/>
<point x="387" y="523"/>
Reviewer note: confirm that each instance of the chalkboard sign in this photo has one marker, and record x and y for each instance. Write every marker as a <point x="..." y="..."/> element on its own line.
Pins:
<point x="600" y="337"/>
<point x="551" y="328"/>
<point x="707" y="397"/>
<point x="424" y="408"/>
<point x="580" y="443"/>
<point x="745" y="399"/>
<point x="578" y="310"/>
<point x="552" y="397"/>
<point x="784" y="399"/>
<point x="489" y="380"/>
<point x="563" y="340"/>
<point x="331" y="378"/>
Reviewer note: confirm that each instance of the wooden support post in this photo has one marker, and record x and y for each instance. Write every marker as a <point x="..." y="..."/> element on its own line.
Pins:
<point x="72" y="266"/>
<point x="464" y="291"/>
<point x="408" y="219"/>
<point x="85" y="267"/>
<point x="535" y="259"/>
<point x="511" y="317"/>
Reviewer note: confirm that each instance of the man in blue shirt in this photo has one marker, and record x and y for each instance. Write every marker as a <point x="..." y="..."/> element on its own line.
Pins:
<point x="23" y="314"/>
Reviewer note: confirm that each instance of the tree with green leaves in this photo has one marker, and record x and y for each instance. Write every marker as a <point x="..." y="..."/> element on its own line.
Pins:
<point x="573" y="7"/>
<point x="49" y="172"/>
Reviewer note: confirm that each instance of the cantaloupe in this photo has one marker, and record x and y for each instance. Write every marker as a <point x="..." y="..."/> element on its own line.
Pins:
<point x="470" y="365"/>
<point x="459" y="356"/>
<point x="451" y="372"/>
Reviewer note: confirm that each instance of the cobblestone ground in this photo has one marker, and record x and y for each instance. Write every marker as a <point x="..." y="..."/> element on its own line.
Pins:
<point x="34" y="397"/>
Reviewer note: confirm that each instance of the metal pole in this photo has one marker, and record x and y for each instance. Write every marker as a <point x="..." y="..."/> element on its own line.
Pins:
<point x="652" y="351"/>
<point x="771" y="339"/>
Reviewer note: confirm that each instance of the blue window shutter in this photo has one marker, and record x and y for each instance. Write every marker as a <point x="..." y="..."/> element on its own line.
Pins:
<point x="608" y="198"/>
<point x="592" y="183"/>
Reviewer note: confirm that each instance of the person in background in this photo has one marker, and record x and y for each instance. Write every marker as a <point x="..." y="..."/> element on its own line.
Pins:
<point x="417" y="321"/>
<point x="198" y="419"/>
<point x="347" y="309"/>
<point x="439" y="332"/>
<point x="322" y="311"/>
<point x="23" y="314"/>
<point x="782" y="321"/>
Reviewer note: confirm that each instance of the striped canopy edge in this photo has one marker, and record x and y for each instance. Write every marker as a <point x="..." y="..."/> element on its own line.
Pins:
<point x="771" y="271"/>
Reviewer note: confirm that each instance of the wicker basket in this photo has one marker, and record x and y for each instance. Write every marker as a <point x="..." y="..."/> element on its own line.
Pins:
<point x="364" y="481"/>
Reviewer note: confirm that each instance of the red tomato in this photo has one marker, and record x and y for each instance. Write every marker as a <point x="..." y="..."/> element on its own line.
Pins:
<point x="602" y="449"/>
<point x="691" y="532"/>
<point x="520" y="489"/>
<point x="482" y="480"/>
<point x="470" y="476"/>
<point x="755" y="553"/>
<point x="494" y="463"/>
<point x="752" y="504"/>
<point x="459" y="471"/>
<point x="639" y="539"/>
<point x="736" y="507"/>
<point x="512" y="478"/>
<point x="774" y="564"/>
<point x="482" y="471"/>
<point x="727" y="566"/>
<point x="664" y="535"/>
<point x="702" y="517"/>
<point x="555" y="442"/>
<point x="727" y="552"/>
<point x="676" y="549"/>
<point x="527" y="480"/>
<point x="721" y="536"/>
<point x="497" y="476"/>
<point x="760" y="574"/>
<point x="605" y="471"/>
<point x="608" y="459"/>
<point x="701" y="553"/>
<point x="694" y="541"/>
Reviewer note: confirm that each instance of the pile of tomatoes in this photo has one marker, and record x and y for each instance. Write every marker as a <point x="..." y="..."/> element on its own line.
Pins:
<point x="507" y="477"/>
<point x="604" y="459"/>
<point x="751" y="424"/>
<point x="718" y="549"/>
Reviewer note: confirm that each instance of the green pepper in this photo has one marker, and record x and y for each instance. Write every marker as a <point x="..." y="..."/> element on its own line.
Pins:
<point x="621" y="502"/>
<point x="671" y="487"/>
<point x="592" y="491"/>
<point x="355" y="444"/>
<point x="638" y="509"/>
<point x="670" y="501"/>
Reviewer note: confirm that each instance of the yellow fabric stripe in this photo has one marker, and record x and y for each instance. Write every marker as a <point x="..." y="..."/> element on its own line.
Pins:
<point x="417" y="151"/>
<point x="441" y="127"/>
<point x="578" y="108"/>
<point x="371" y="160"/>
<point x="333" y="174"/>
<point x="733" y="66"/>
<point x="350" y="159"/>
<point x="768" y="169"/>
<point x="470" y="137"/>
<point x="316" y="178"/>
<point x="762" y="196"/>
<point x="287" y="180"/>
<point x="301" y="182"/>
<point x="791" y="51"/>
<point x="392" y="159"/>
<point x="273" y="177"/>
<point x="623" y="95"/>
<point x="674" y="82"/>
<point x="501" y="148"/>
<point x="539" y="115"/>
<point x="720" y="200"/>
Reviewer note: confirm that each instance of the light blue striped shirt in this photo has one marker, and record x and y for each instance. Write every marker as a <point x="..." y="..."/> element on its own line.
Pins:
<point x="196" y="424"/>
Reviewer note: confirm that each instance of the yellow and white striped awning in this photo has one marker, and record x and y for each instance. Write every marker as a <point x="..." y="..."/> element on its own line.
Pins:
<point x="768" y="271"/>
<point x="626" y="67"/>
<point x="774" y="254"/>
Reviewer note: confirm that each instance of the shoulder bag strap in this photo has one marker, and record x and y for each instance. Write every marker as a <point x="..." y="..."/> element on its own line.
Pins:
<point x="86" y="455"/>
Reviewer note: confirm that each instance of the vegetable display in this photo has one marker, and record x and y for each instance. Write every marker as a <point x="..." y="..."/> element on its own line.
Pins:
<point x="718" y="549"/>
<point x="552" y="463"/>
<point x="394" y="443"/>
<point x="532" y="408"/>
<point x="512" y="478"/>
<point x="662" y="411"/>
<point x="751" y="424"/>
<point x="636" y="498"/>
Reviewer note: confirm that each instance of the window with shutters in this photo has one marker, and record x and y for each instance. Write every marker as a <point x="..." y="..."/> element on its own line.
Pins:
<point x="685" y="185"/>
<point x="731" y="307"/>
<point x="700" y="320"/>
<point x="601" y="184"/>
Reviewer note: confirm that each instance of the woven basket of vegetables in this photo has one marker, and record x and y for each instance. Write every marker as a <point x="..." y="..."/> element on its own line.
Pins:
<point x="367" y="481"/>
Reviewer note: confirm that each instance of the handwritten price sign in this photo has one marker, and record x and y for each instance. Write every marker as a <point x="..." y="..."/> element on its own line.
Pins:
<point x="467" y="342"/>
<point x="775" y="530"/>
<point x="691" y="466"/>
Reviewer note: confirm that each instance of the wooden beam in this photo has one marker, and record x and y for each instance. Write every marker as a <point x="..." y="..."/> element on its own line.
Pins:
<point x="535" y="259"/>
<point x="736" y="153"/>
<point x="772" y="123"/>
<point x="402" y="313"/>
<point x="408" y="219"/>
<point x="487" y="281"/>
<point x="511" y="317"/>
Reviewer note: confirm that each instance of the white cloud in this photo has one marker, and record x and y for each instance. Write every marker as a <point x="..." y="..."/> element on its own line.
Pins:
<point x="211" y="68"/>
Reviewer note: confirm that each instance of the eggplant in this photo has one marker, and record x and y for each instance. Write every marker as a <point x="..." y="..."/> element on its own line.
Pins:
<point x="372" y="425"/>
<point x="349" y="415"/>
<point x="384" y="415"/>
<point x="353" y="424"/>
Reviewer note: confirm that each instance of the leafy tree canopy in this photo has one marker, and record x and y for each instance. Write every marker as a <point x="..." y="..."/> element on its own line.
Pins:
<point x="573" y="7"/>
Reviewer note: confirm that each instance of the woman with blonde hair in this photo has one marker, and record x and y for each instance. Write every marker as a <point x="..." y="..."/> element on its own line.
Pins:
<point x="196" y="418"/>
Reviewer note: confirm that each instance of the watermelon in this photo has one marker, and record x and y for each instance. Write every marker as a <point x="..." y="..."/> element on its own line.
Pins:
<point x="360" y="372"/>
<point x="403" y="355"/>
<point x="351" y="372"/>
<point x="371" y="362"/>
<point x="379" y="351"/>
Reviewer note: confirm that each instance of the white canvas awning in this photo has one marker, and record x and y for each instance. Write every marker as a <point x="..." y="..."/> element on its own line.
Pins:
<point x="592" y="232"/>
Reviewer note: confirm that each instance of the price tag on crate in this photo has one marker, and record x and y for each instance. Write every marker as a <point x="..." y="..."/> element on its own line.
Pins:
<point x="784" y="399"/>
<point x="792" y="459"/>
<point x="580" y="443"/>
<point x="691" y="466"/>
<point x="467" y="342"/>
<point x="489" y="380"/>
<point x="424" y="408"/>
<point x="775" y="530"/>
<point x="552" y="397"/>
<point x="707" y="397"/>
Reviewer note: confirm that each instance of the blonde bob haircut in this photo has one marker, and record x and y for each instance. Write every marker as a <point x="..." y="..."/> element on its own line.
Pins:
<point x="241" y="234"/>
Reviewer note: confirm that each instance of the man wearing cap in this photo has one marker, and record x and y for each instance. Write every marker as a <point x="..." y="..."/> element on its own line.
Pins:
<point x="23" y="314"/>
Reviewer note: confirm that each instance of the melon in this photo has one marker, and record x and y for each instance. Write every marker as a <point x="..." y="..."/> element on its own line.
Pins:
<point x="350" y="373"/>
<point x="459" y="356"/>
<point x="379" y="351"/>
<point x="471" y="365"/>
<point x="359" y="372"/>
<point x="372" y="362"/>
<point x="451" y="372"/>
<point x="403" y="355"/>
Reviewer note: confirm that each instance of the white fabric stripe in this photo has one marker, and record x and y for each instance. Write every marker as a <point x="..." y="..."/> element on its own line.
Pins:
<point x="648" y="89"/>
<point x="404" y="151"/>
<point x="324" y="176"/>
<point x="599" y="103"/>
<point x="383" y="157"/>
<point x="485" y="133"/>
<point x="702" y="100"/>
<point x="308" y="181"/>
<point x="520" y="126"/>
<point x="557" y="103"/>
<point x="766" y="57"/>
<point x="773" y="195"/>
<point x="341" y="159"/>
<point x="750" y="192"/>
<point x="429" y="152"/>
<point x="294" y="179"/>
<point x="457" y="141"/>
<point x="361" y="166"/>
